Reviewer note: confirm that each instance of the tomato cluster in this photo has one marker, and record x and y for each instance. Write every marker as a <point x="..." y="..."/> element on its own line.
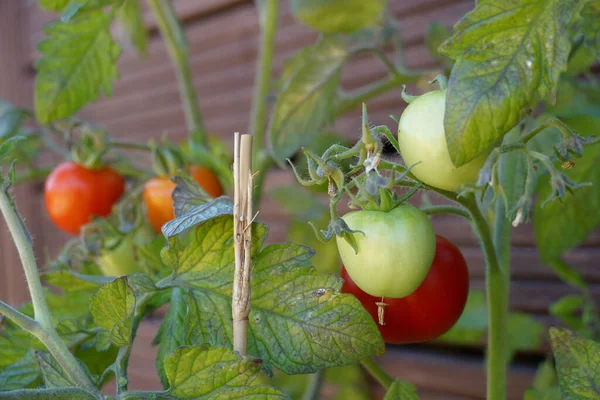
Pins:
<point x="428" y="312"/>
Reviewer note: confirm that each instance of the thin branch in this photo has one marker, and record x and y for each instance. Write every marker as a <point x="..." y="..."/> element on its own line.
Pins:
<point x="434" y="210"/>
<point x="22" y="320"/>
<point x="177" y="45"/>
<point x="377" y="372"/>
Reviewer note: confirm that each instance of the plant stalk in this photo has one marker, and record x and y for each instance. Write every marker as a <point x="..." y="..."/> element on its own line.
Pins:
<point x="242" y="233"/>
<point x="268" y="28"/>
<point x="497" y="304"/>
<point x="377" y="372"/>
<point x="22" y="320"/>
<point x="313" y="389"/>
<point x="46" y="333"/>
<point x="177" y="46"/>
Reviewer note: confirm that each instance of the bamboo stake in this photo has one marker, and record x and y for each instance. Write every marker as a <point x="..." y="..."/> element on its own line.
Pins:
<point x="242" y="231"/>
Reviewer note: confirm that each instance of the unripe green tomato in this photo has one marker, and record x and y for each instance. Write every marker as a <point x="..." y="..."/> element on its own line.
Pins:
<point x="422" y="139"/>
<point x="395" y="250"/>
<point x="338" y="16"/>
<point x="121" y="260"/>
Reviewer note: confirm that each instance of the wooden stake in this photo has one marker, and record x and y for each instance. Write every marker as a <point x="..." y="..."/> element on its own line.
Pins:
<point x="242" y="231"/>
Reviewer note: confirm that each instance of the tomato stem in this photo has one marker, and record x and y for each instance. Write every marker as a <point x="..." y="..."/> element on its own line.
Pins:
<point x="497" y="303"/>
<point x="44" y="329"/>
<point x="377" y="372"/>
<point x="268" y="23"/>
<point x="22" y="320"/>
<point x="177" y="46"/>
<point x="124" y="144"/>
<point x="434" y="210"/>
<point x="313" y="389"/>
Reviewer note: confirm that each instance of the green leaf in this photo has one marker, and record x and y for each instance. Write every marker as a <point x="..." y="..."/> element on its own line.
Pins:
<point x="197" y="215"/>
<point x="209" y="372"/>
<point x="590" y="27"/>
<point x="401" y="390"/>
<point x="14" y="344"/>
<point x="299" y="202"/>
<point x="78" y="62"/>
<point x="435" y="35"/>
<point x="551" y="393"/>
<point x="54" y="5"/>
<point x="305" y="101"/>
<point x="524" y="332"/>
<point x="471" y="326"/>
<point x="52" y="372"/>
<point x="131" y="17"/>
<point x="112" y="309"/>
<point x="48" y="394"/>
<point x="69" y="281"/>
<point x="577" y="364"/>
<point x="11" y="119"/>
<point x="563" y="225"/>
<point x="509" y="55"/>
<point x="20" y="374"/>
<point x="170" y="335"/>
<point x="299" y="322"/>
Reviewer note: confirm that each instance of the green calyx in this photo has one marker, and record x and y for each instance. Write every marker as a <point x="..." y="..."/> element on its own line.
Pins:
<point x="90" y="146"/>
<point x="167" y="159"/>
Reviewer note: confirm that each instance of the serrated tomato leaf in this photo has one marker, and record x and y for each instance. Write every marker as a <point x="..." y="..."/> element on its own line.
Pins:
<point x="299" y="322"/>
<point x="401" y="390"/>
<point x="305" y="100"/>
<point x="577" y="364"/>
<point x="131" y="17"/>
<point x="112" y="308"/>
<point x="78" y="62"/>
<point x="205" y="372"/>
<point x="509" y="55"/>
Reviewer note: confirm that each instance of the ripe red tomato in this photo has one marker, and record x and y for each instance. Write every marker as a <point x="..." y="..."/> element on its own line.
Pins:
<point x="73" y="194"/>
<point x="432" y="309"/>
<point x="157" y="194"/>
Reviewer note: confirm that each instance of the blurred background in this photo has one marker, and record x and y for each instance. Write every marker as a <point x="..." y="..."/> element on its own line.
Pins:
<point x="223" y="44"/>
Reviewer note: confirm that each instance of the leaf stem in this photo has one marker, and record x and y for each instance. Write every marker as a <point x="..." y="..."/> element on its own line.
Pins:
<point x="46" y="333"/>
<point x="350" y="100"/>
<point x="125" y="144"/>
<point x="268" y="22"/>
<point x="377" y="372"/>
<point x="122" y="362"/>
<point x="177" y="45"/>
<point x="22" y="320"/>
<point x="497" y="304"/>
<point x="313" y="389"/>
<point x="434" y="210"/>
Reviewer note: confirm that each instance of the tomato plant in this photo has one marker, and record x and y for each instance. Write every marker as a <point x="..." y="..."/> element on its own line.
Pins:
<point x="422" y="141"/>
<point x="432" y="309"/>
<point x="158" y="190"/>
<point x="74" y="194"/>
<point x="395" y="250"/>
<point x="338" y="16"/>
<point x="509" y="133"/>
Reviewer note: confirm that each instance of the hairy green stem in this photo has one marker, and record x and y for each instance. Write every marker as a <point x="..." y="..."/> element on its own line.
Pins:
<point x="125" y="144"/>
<point x="22" y="320"/>
<point x="46" y="332"/>
<point x="258" y="119"/>
<point x="262" y="168"/>
<point x="313" y="389"/>
<point x="377" y="372"/>
<point x="497" y="305"/>
<point x="177" y="45"/>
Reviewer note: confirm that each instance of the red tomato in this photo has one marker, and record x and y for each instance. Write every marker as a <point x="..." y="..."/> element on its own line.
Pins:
<point x="429" y="311"/>
<point x="73" y="194"/>
<point x="158" y="190"/>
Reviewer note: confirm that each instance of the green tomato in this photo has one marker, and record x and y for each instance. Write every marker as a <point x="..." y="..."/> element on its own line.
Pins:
<point x="422" y="140"/>
<point x="395" y="250"/>
<point x="121" y="260"/>
<point x="338" y="16"/>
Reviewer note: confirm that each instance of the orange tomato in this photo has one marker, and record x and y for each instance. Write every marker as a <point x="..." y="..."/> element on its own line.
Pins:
<point x="158" y="190"/>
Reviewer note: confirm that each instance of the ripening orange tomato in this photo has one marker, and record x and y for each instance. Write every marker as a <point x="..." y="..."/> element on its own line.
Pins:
<point x="158" y="190"/>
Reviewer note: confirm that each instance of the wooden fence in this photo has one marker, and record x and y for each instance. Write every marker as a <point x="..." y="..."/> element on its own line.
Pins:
<point x="223" y="45"/>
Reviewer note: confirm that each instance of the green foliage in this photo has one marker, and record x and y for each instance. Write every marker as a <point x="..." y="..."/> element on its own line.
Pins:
<point x="560" y="226"/>
<point x="78" y="62"/>
<point x="171" y="333"/>
<point x="305" y="100"/>
<point x="112" y="308"/>
<point x="71" y="393"/>
<point x="52" y="372"/>
<point x="435" y="35"/>
<point x="205" y="372"/>
<point x="577" y="363"/>
<point x="401" y="390"/>
<point x="291" y="302"/>
<point x="23" y="373"/>
<point x="131" y="17"/>
<point x="507" y="61"/>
